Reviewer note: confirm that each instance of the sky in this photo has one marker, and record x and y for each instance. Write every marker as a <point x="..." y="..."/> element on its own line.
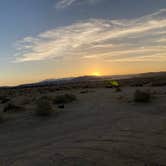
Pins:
<point x="42" y="39"/>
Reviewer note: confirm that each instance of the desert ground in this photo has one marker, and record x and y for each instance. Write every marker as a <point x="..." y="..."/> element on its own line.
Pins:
<point x="101" y="128"/>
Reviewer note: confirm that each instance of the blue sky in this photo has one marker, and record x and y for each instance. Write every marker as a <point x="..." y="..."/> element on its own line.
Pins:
<point x="58" y="38"/>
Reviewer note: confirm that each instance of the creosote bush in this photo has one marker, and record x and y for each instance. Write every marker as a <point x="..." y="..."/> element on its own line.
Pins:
<point x="43" y="107"/>
<point x="12" y="108"/>
<point x="142" y="96"/>
<point x="66" y="98"/>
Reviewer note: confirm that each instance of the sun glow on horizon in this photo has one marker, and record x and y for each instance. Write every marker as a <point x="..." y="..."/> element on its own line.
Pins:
<point x="96" y="74"/>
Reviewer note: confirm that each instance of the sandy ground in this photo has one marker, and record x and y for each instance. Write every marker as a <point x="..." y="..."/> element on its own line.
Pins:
<point x="101" y="128"/>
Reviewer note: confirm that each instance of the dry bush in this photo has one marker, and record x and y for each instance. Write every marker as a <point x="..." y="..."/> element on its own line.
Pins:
<point x="118" y="89"/>
<point x="1" y="118"/>
<point x="12" y="108"/>
<point x="61" y="106"/>
<point x="84" y="91"/>
<point x="142" y="96"/>
<point x="25" y="101"/>
<point x="4" y="99"/>
<point x="43" y="107"/>
<point x="66" y="98"/>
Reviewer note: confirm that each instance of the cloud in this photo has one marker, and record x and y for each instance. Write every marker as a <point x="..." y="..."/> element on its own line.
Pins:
<point x="66" y="3"/>
<point x="112" y="40"/>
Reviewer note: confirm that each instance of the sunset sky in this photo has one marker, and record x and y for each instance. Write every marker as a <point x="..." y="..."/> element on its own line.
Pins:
<point x="41" y="39"/>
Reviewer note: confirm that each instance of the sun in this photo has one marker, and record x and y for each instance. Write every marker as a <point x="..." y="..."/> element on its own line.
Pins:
<point x="96" y="74"/>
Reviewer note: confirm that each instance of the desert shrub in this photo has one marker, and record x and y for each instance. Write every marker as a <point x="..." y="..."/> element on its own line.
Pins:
<point x="43" y="107"/>
<point x="4" y="99"/>
<point x="112" y="84"/>
<point x="136" y="84"/>
<point x="66" y="98"/>
<point x="25" y="101"/>
<point x="142" y="96"/>
<point x="159" y="83"/>
<point x="118" y="89"/>
<point x="12" y="108"/>
<point x="61" y="106"/>
<point x="1" y="118"/>
<point x="45" y="97"/>
<point x="108" y="84"/>
<point x="84" y="91"/>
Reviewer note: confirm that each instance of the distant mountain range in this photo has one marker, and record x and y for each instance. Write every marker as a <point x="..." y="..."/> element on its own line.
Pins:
<point x="90" y="78"/>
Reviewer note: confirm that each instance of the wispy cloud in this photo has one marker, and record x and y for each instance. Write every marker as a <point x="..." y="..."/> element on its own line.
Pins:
<point x="112" y="40"/>
<point x="66" y="3"/>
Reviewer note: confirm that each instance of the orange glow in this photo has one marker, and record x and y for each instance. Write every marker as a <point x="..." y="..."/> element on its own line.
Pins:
<point x="96" y="74"/>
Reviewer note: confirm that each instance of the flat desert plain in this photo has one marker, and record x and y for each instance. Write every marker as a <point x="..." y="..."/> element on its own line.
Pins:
<point x="101" y="128"/>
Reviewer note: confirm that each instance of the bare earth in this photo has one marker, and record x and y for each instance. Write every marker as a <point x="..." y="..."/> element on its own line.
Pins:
<point x="101" y="128"/>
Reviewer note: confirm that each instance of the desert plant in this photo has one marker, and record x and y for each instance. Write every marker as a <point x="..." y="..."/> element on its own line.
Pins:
<point x="118" y="89"/>
<point x="43" y="107"/>
<point x="4" y="99"/>
<point x="84" y="91"/>
<point x="113" y="84"/>
<point x="1" y="118"/>
<point x="108" y="84"/>
<point x="12" y="108"/>
<point x="25" y="101"/>
<point x="45" y="97"/>
<point x="142" y="96"/>
<point x="61" y="106"/>
<point x="66" y="98"/>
